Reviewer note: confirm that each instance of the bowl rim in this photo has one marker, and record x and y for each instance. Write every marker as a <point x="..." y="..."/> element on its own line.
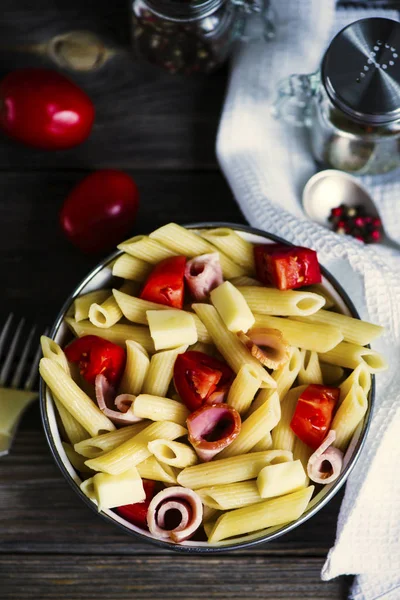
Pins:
<point x="336" y="486"/>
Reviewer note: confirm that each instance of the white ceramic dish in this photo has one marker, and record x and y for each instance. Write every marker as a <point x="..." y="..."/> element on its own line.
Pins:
<point x="101" y="277"/>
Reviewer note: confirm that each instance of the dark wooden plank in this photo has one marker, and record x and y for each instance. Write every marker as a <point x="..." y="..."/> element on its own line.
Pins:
<point x="165" y="577"/>
<point x="40" y="268"/>
<point x="144" y="116"/>
<point x="43" y="514"/>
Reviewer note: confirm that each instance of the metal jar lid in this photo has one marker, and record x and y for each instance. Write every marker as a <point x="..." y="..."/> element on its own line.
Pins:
<point x="361" y="71"/>
<point x="184" y="10"/>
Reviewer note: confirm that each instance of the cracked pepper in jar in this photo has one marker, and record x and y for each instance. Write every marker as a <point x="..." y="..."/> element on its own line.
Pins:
<point x="188" y="37"/>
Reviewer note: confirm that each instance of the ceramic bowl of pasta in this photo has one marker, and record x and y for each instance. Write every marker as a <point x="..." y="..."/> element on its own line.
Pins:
<point x="208" y="387"/>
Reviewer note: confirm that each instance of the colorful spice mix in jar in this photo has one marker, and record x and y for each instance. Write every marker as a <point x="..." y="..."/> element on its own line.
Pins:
<point x="193" y="36"/>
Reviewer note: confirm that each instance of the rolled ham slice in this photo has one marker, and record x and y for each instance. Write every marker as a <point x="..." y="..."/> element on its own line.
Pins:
<point x="325" y="465"/>
<point x="212" y="428"/>
<point x="175" y="513"/>
<point x="203" y="274"/>
<point x="106" y="400"/>
<point x="266" y="345"/>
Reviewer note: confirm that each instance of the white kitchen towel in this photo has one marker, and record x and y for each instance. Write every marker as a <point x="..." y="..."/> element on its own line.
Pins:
<point x="267" y="163"/>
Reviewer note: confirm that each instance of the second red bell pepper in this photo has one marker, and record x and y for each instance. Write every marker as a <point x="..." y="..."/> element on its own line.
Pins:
<point x="96" y="356"/>
<point x="286" y="267"/>
<point x="165" y="284"/>
<point x="313" y="414"/>
<point x="199" y="377"/>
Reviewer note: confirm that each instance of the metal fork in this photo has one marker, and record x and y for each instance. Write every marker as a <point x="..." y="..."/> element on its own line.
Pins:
<point x="11" y="378"/>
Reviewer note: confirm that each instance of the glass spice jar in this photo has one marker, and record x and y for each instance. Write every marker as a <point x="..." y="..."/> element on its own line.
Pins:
<point x="351" y="105"/>
<point x="194" y="36"/>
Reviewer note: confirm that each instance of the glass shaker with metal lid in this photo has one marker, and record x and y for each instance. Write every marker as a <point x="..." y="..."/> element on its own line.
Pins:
<point x="190" y="36"/>
<point x="352" y="104"/>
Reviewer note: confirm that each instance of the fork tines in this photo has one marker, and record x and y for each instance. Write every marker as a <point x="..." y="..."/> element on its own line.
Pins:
<point x="9" y="345"/>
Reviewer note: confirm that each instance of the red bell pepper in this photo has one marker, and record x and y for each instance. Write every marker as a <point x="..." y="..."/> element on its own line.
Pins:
<point x="199" y="377"/>
<point x="286" y="267"/>
<point x="96" y="355"/>
<point x="165" y="284"/>
<point x="313" y="415"/>
<point x="137" y="513"/>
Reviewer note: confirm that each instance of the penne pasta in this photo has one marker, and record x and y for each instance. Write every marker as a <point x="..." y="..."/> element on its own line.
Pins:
<point x="255" y="427"/>
<point x="230" y="496"/>
<point x="233" y="245"/>
<point x="161" y="371"/>
<point x="94" y="446"/>
<point x="208" y="526"/>
<point x="360" y="376"/>
<point x="108" y="313"/>
<point x="243" y="389"/>
<point x="318" y="288"/>
<point x="210" y="514"/>
<point x="245" y="280"/>
<point x="147" y="249"/>
<point x="350" y="356"/>
<point x="282" y="435"/>
<point x="129" y="267"/>
<point x="301" y="452"/>
<point x="73" y="398"/>
<point x="156" y="471"/>
<point x="184" y="241"/>
<point x="310" y="371"/>
<point x="118" y="334"/>
<point x="331" y="374"/>
<point x="285" y="376"/>
<point x="73" y="430"/>
<point x="134" y="450"/>
<point x="353" y="330"/>
<point x="230" y="470"/>
<point x="174" y="454"/>
<point x="50" y="349"/>
<point x="83" y="303"/>
<point x="265" y="443"/>
<point x="134" y="309"/>
<point x="260" y="399"/>
<point x="136" y="369"/>
<point x="155" y="408"/>
<point x="76" y="460"/>
<point x="314" y="337"/>
<point x="348" y="416"/>
<point x="268" y="513"/>
<point x="208" y="349"/>
<point x="229" y="345"/>
<point x="269" y="301"/>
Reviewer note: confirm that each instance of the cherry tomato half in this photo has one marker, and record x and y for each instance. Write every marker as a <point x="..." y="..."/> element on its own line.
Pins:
<point x="100" y="210"/>
<point x="165" y="284"/>
<point x="313" y="414"/>
<point x="44" y="109"/>
<point x="96" y="355"/>
<point x="197" y="377"/>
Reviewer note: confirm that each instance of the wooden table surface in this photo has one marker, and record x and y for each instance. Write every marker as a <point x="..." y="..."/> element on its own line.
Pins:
<point x="161" y="129"/>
